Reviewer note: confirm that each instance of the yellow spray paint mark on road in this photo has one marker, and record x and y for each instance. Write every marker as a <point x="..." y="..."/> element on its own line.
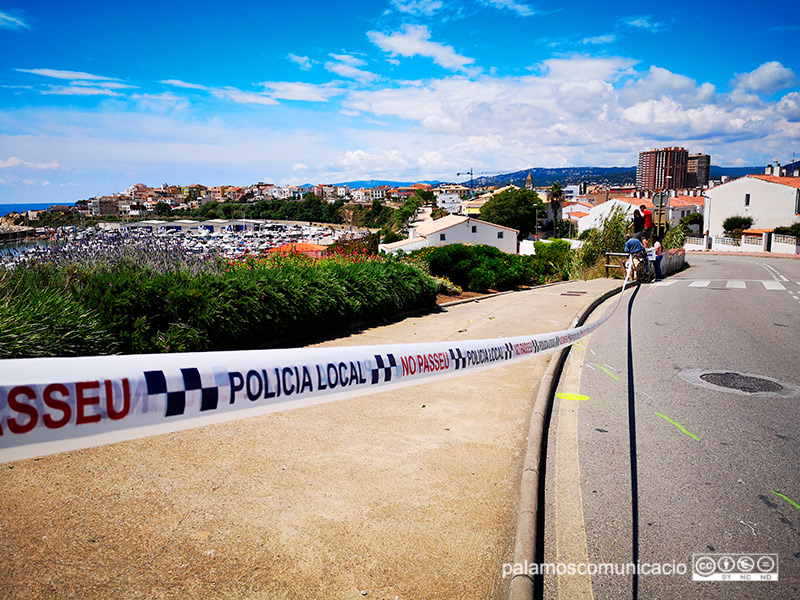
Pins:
<point x="576" y="397"/>
<point x="607" y="372"/>
<point x="789" y="500"/>
<point x="679" y="426"/>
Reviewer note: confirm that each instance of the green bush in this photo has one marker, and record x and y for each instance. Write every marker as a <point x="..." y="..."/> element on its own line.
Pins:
<point x="791" y="230"/>
<point x="735" y="224"/>
<point x="36" y="322"/>
<point x="255" y="304"/>
<point x="481" y="268"/>
<point x="609" y="238"/>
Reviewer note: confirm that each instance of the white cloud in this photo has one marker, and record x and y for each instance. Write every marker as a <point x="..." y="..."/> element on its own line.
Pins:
<point x="587" y="68"/>
<point x="522" y="10"/>
<point x="789" y="107"/>
<point x="69" y="75"/>
<point x="599" y="39"/>
<point x="9" y="21"/>
<point x="225" y="93"/>
<point x="383" y="162"/>
<point x="160" y="101"/>
<point x="14" y="161"/>
<point x="424" y="8"/>
<point x="78" y="90"/>
<point x="659" y="82"/>
<point x="303" y="61"/>
<point x="80" y="83"/>
<point x="768" y="78"/>
<point x="348" y="59"/>
<point x="415" y="41"/>
<point x="183" y="84"/>
<point x="286" y="90"/>
<point x="242" y="97"/>
<point x="643" y="22"/>
<point x="347" y="66"/>
<point x="299" y="167"/>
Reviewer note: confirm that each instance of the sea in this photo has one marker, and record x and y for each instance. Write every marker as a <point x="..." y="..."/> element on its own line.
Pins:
<point x="20" y="208"/>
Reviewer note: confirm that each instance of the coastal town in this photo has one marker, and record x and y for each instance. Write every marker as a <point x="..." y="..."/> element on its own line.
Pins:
<point x="672" y="183"/>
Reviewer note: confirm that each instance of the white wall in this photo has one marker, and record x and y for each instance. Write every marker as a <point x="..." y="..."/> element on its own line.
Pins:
<point x="771" y="204"/>
<point x="476" y="232"/>
<point x="598" y="214"/>
<point x="450" y="202"/>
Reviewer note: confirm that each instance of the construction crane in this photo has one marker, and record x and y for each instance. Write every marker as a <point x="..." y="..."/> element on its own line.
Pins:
<point x="470" y="173"/>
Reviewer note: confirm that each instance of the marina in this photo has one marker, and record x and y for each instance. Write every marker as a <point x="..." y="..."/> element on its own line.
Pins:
<point x="232" y="239"/>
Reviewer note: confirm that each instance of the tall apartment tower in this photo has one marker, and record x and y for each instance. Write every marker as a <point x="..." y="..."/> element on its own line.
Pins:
<point x="660" y="169"/>
<point x="698" y="169"/>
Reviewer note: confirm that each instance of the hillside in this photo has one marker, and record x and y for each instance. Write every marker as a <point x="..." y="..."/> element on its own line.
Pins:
<point x="543" y="176"/>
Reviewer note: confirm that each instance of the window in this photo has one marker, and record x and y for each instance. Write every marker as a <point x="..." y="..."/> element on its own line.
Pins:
<point x="747" y="199"/>
<point x="442" y="237"/>
<point x="797" y="203"/>
<point x="499" y="235"/>
<point x="474" y="229"/>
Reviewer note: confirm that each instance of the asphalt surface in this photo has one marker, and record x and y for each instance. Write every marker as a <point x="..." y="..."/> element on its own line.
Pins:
<point x="716" y="471"/>
<point x="411" y="493"/>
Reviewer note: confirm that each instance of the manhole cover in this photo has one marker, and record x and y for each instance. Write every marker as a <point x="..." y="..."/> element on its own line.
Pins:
<point x="740" y="383"/>
<point x="745" y="383"/>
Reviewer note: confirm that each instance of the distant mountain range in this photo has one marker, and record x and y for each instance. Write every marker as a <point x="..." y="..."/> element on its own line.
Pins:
<point x="565" y="176"/>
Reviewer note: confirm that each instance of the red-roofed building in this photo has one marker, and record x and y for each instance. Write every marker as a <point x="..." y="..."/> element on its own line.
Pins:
<point x="771" y="200"/>
<point x="314" y="250"/>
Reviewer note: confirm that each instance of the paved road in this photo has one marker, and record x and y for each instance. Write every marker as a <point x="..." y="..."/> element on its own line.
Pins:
<point x="718" y="471"/>
<point x="409" y="493"/>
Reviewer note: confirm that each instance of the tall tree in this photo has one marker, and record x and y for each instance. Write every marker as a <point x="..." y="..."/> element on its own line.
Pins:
<point x="513" y="208"/>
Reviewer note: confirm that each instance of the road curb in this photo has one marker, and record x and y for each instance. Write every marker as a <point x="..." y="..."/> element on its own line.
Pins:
<point x="522" y="585"/>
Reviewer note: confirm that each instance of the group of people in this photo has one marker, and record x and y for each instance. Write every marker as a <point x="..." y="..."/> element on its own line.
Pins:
<point x="642" y="235"/>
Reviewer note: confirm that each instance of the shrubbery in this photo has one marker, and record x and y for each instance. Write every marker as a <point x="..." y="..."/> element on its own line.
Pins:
<point x="69" y="307"/>
<point x="736" y="224"/>
<point x="483" y="268"/>
<point x="791" y="230"/>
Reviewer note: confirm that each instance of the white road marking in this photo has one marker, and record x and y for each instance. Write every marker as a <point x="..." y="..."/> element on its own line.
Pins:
<point x="773" y="285"/>
<point x="737" y="285"/>
<point x="700" y="283"/>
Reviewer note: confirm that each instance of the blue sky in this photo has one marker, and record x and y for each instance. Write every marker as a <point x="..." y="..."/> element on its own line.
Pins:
<point x="97" y="96"/>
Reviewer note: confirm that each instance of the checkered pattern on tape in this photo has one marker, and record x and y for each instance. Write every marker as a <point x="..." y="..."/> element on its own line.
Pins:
<point x="458" y="358"/>
<point x="183" y="390"/>
<point x="384" y="366"/>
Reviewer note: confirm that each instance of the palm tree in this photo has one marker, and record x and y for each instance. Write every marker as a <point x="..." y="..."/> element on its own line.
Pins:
<point x="556" y="196"/>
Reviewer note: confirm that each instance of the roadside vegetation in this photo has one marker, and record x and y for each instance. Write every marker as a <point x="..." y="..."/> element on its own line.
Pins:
<point x="485" y="268"/>
<point x="148" y="296"/>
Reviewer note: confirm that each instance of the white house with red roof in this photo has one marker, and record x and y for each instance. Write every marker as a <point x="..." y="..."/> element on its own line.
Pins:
<point x="771" y="200"/>
<point x="457" y="229"/>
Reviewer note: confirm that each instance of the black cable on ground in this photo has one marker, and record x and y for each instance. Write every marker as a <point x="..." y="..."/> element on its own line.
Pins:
<point x="634" y="475"/>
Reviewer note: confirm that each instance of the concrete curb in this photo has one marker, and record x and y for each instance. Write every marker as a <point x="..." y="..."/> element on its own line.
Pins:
<point x="492" y="295"/>
<point x="522" y="585"/>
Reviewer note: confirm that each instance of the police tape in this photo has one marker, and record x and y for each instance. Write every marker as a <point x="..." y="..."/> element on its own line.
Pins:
<point x="50" y="405"/>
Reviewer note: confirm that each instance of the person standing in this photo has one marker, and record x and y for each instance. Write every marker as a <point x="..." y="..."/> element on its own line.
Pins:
<point x="637" y="224"/>
<point x="648" y="222"/>
<point x="659" y="256"/>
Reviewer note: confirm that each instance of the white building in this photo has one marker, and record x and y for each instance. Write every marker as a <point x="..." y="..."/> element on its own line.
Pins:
<point x="598" y="214"/>
<point x="457" y="229"/>
<point x="450" y="202"/>
<point x="771" y="200"/>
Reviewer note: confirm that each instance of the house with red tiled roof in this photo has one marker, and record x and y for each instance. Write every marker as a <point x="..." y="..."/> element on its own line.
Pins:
<point x="457" y="229"/>
<point x="771" y="200"/>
